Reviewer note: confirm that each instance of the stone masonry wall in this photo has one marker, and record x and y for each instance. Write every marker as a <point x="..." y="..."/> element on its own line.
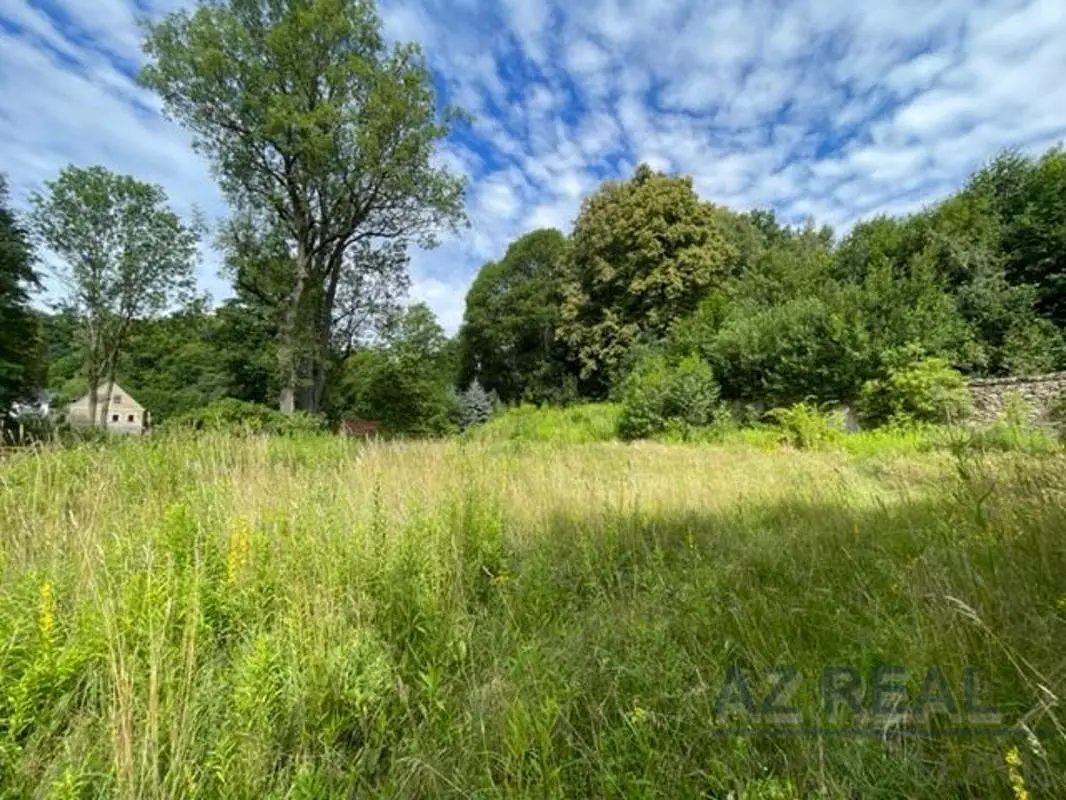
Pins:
<point x="1040" y="392"/>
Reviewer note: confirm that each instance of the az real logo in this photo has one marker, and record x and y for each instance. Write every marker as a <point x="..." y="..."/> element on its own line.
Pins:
<point x="889" y="695"/>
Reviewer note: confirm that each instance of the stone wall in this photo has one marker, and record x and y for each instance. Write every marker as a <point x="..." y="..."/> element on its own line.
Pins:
<point x="1040" y="392"/>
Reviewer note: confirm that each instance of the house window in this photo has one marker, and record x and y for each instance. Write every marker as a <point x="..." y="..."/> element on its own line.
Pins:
<point x="114" y="417"/>
<point x="129" y="418"/>
<point x="117" y="399"/>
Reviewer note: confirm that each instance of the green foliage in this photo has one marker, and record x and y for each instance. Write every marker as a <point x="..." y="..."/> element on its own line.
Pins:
<point x="507" y="340"/>
<point x="1025" y="196"/>
<point x="905" y="302"/>
<point x="801" y="321"/>
<point x="322" y="135"/>
<point x="476" y="406"/>
<point x="62" y="355"/>
<point x="124" y="255"/>
<point x="237" y="416"/>
<point x="19" y="354"/>
<point x="805" y="426"/>
<point x="406" y="381"/>
<point x="1017" y="413"/>
<point x="658" y="395"/>
<point x="176" y="364"/>
<point x="805" y="347"/>
<point x="1016" y="340"/>
<point x="643" y="253"/>
<point x="194" y="357"/>
<point x="926" y="390"/>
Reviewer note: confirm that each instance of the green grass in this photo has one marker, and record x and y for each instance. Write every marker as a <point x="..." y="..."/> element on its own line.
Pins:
<point x="577" y="424"/>
<point x="313" y="617"/>
<point x="597" y="422"/>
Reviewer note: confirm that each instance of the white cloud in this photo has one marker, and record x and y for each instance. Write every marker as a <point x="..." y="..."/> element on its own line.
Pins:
<point x="823" y="107"/>
<point x="91" y="114"/>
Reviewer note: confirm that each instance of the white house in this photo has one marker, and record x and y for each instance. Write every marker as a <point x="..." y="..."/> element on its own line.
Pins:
<point x="123" y="413"/>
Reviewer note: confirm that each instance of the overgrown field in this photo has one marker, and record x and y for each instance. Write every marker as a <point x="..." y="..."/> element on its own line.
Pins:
<point x="242" y="617"/>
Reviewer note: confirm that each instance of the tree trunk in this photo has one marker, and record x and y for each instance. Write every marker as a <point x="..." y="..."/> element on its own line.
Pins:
<point x="92" y="399"/>
<point x="288" y="399"/>
<point x="109" y="367"/>
<point x="107" y="398"/>
<point x="92" y="374"/>
<point x="320" y="361"/>
<point x="324" y="322"/>
<point x="289" y="353"/>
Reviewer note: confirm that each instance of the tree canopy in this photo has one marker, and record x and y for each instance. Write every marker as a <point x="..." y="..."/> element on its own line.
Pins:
<point x="123" y="255"/>
<point x="322" y="136"/>
<point x="326" y="139"/>
<point x="643" y="253"/>
<point x="19" y="349"/>
<point x="508" y="339"/>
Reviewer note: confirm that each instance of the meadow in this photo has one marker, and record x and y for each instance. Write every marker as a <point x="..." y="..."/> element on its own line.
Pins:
<point x="497" y="616"/>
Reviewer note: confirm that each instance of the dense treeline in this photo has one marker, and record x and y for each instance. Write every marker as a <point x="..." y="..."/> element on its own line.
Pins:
<point x="653" y="280"/>
<point x="779" y="314"/>
<point x="654" y="293"/>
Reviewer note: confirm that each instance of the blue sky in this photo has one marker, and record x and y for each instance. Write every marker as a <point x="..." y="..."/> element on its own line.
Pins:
<point x="831" y="108"/>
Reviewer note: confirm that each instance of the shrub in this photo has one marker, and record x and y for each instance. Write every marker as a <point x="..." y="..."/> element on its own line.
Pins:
<point x="20" y="431"/>
<point x="928" y="390"/>
<point x="239" y="416"/>
<point x="657" y="396"/>
<point x="805" y="347"/>
<point x="805" y="426"/>
<point x="1017" y="412"/>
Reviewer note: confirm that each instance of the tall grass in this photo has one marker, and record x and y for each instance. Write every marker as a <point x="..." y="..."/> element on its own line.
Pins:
<point x="799" y="427"/>
<point x="223" y="617"/>
<point x="577" y="424"/>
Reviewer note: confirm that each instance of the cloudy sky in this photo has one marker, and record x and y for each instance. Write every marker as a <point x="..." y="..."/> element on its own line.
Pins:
<point x="831" y="108"/>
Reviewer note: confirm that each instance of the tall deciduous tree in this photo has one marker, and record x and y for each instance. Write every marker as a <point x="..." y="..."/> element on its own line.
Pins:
<point x="18" y="324"/>
<point x="507" y="340"/>
<point x="643" y="253"/>
<point x="322" y="131"/>
<point x="122" y="255"/>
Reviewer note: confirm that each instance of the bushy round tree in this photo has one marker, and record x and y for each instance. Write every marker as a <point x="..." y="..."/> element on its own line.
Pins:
<point x="658" y="394"/>
<point x="643" y="254"/>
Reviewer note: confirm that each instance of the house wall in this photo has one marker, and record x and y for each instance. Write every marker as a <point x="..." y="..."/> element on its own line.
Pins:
<point x="78" y="414"/>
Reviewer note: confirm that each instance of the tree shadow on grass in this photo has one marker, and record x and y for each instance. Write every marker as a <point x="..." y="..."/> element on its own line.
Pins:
<point x="635" y="619"/>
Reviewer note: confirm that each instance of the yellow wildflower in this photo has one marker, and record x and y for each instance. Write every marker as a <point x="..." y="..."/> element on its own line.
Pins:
<point x="239" y="546"/>
<point x="1014" y="772"/>
<point x="638" y="714"/>
<point x="46" y="619"/>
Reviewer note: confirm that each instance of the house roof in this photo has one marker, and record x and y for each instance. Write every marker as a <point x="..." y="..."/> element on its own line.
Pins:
<point x="127" y="399"/>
